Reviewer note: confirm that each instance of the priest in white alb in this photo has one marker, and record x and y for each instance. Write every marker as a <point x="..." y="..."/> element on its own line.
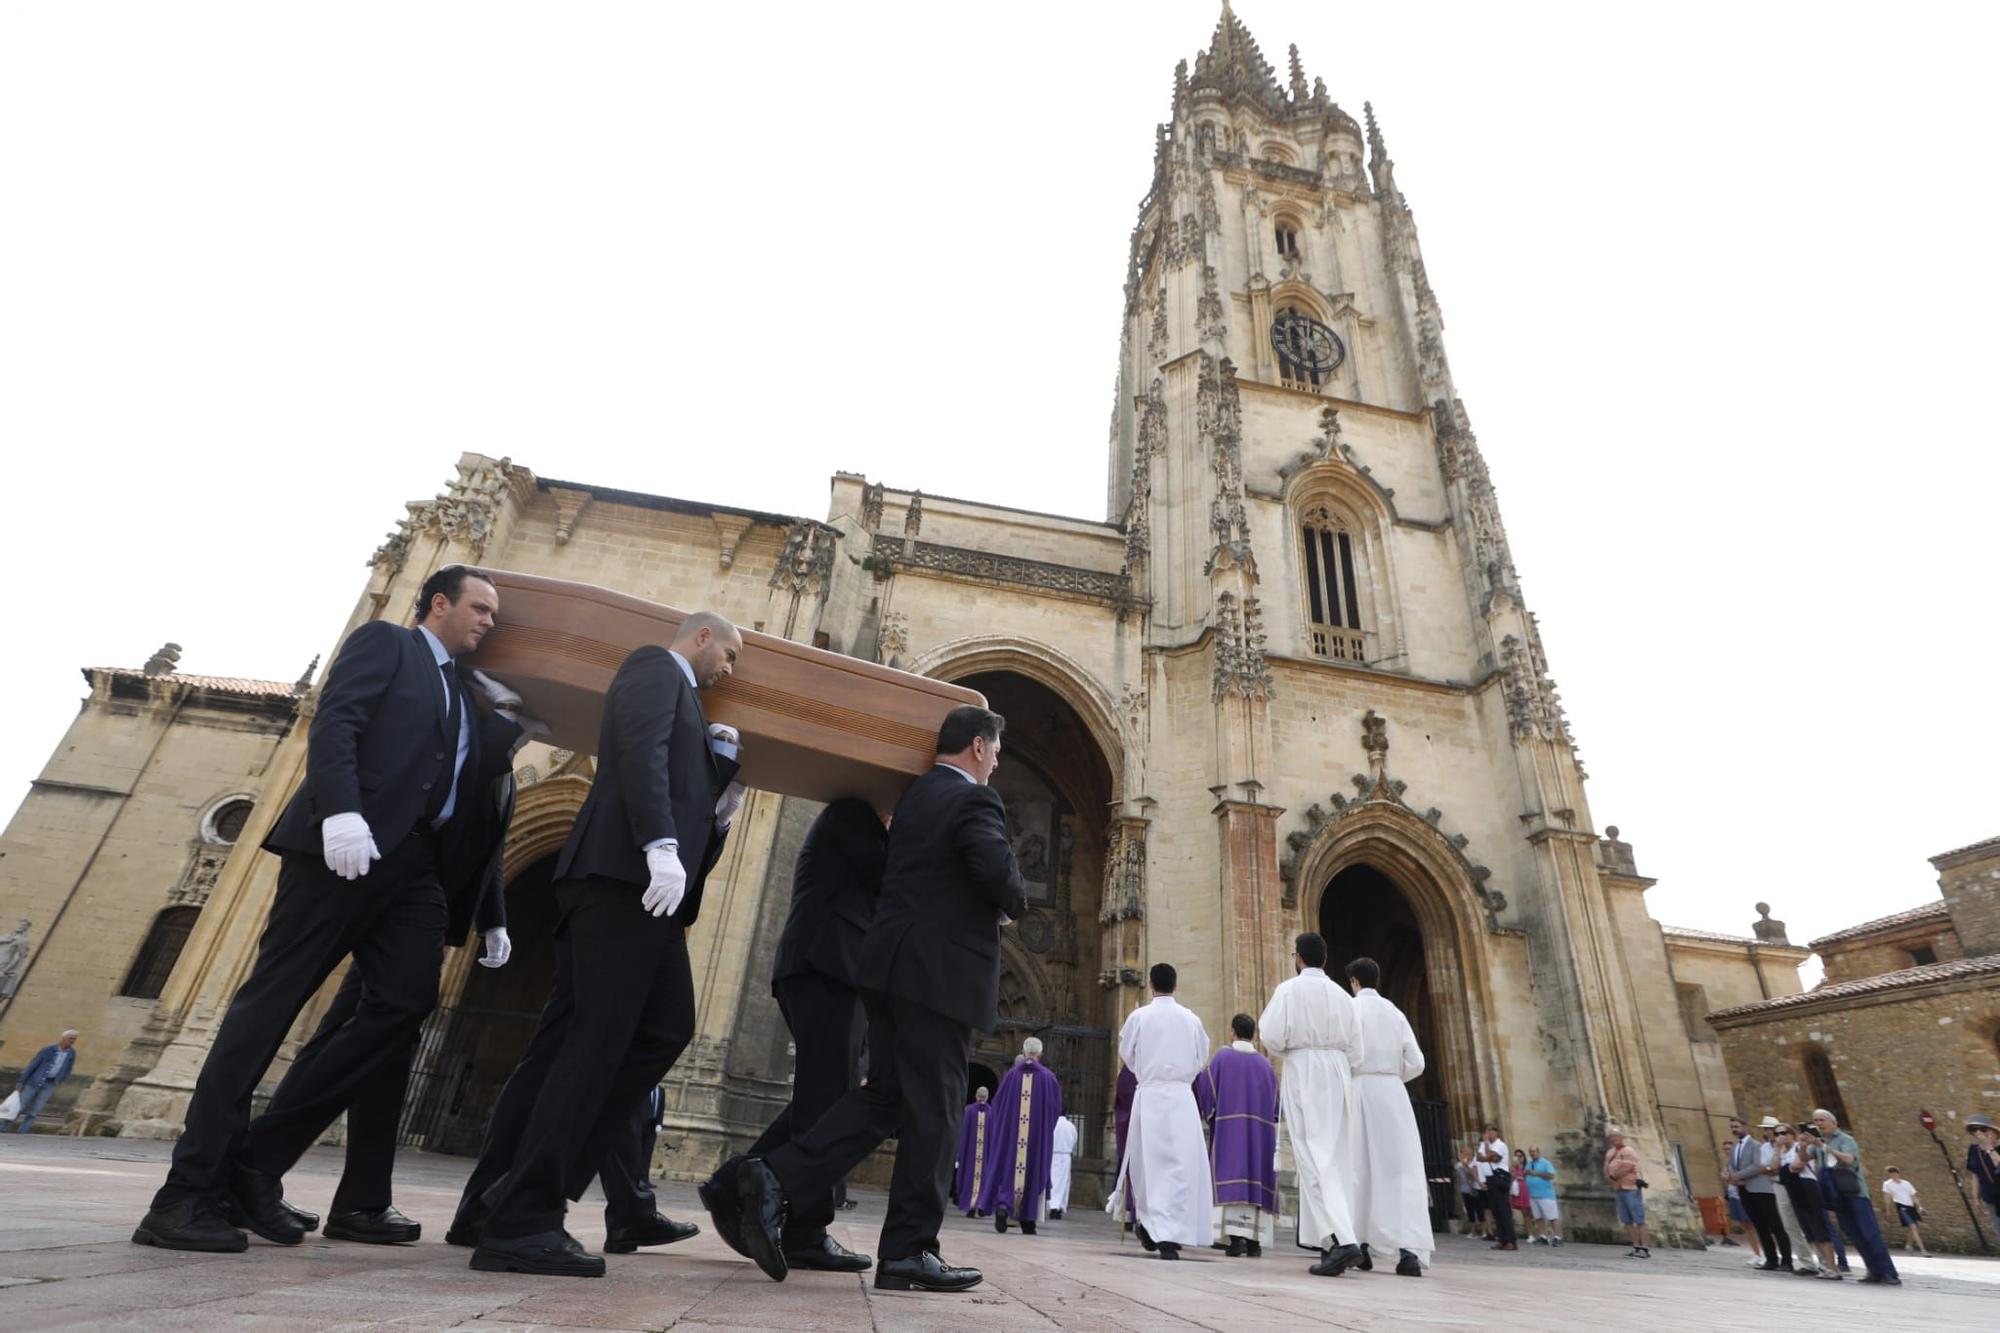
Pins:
<point x="1392" y="1202"/>
<point x="1166" y="1156"/>
<point x="1311" y="1026"/>
<point x="1059" y="1167"/>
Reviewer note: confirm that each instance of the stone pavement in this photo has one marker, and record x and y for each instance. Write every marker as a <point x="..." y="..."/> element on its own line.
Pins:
<point x="67" y="1207"/>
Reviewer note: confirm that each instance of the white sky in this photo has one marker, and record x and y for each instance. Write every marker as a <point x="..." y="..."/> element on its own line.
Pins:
<point x="1718" y="281"/>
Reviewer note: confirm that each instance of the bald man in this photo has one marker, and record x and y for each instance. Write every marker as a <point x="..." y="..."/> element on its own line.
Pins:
<point x="628" y="886"/>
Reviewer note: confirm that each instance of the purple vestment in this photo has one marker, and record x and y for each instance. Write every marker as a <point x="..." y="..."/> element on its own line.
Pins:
<point x="1238" y="1097"/>
<point x="1121" y="1120"/>
<point x="1020" y="1140"/>
<point x="971" y="1155"/>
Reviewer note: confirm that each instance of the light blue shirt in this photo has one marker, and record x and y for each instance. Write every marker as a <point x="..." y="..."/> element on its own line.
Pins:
<point x="961" y="772"/>
<point x="464" y="726"/>
<point x="1539" y="1188"/>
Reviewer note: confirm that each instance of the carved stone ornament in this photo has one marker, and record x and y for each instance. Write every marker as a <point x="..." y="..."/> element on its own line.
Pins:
<point x="990" y="567"/>
<point x="872" y="497"/>
<point x="467" y="512"/>
<point x="807" y="561"/>
<point x="1124" y="874"/>
<point x="730" y="530"/>
<point x="570" y="504"/>
<point x="892" y="641"/>
<point x="14" y="949"/>
<point x="198" y="879"/>
<point x="1240" y="665"/>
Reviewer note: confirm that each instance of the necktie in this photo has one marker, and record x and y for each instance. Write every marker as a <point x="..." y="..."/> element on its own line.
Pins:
<point x="448" y="751"/>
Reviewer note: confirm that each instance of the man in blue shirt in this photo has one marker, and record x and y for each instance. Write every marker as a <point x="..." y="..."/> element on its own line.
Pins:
<point x="51" y="1065"/>
<point x="1545" y="1218"/>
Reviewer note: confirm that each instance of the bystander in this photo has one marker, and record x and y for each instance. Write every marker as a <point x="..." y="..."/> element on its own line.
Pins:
<point x="44" y="1074"/>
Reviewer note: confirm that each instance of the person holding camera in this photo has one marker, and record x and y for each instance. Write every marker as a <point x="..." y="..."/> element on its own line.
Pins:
<point x="1621" y="1169"/>
<point x="1844" y="1185"/>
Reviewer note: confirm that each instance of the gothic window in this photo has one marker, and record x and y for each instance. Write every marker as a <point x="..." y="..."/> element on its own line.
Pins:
<point x="1822" y="1084"/>
<point x="1277" y="152"/>
<point x="1333" y="581"/>
<point x="157" y="956"/>
<point x="223" y="824"/>
<point x="1288" y="238"/>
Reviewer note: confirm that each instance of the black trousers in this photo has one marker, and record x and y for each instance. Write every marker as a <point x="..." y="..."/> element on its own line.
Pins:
<point x="626" y="1171"/>
<point x="1771" y="1233"/>
<point x="820" y="1013"/>
<point x="916" y="1084"/>
<point x="1498" y="1186"/>
<point x="620" y="1013"/>
<point x="373" y="1114"/>
<point x="392" y="921"/>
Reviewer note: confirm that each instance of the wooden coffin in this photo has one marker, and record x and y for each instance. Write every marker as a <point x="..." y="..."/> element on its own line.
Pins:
<point x="815" y="724"/>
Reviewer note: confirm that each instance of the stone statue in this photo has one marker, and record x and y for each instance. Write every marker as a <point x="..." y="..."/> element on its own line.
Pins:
<point x="13" y="955"/>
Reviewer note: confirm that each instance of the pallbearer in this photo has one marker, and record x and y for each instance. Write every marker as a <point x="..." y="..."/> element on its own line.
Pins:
<point x="971" y="1154"/>
<point x="1165" y="1159"/>
<point x="1238" y="1096"/>
<point x="1020" y="1141"/>
<point x="1310" y="1025"/>
<point x="1391" y="1201"/>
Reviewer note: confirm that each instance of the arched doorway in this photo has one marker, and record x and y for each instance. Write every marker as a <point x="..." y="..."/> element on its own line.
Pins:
<point x="469" y="1049"/>
<point x="1364" y="915"/>
<point x="979" y="1076"/>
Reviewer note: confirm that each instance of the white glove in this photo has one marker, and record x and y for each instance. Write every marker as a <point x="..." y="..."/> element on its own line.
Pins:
<point x="498" y="694"/>
<point x="349" y="845"/>
<point x="724" y="740"/>
<point x="669" y="882"/>
<point x="730" y="802"/>
<point x="498" y="948"/>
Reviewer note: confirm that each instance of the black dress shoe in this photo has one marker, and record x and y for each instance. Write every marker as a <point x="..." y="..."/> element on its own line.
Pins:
<point x="1169" y="1250"/>
<point x="308" y="1222"/>
<point x="1145" y="1241"/>
<point x="1254" y="1249"/>
<point x="192" y="1224"/>
<point x="1000" y="1219"/>
<point x="550" y="1254"/>
<point x="658" y="1229"/>
<point x="1028" y="1227"/>
<point x="718" y="1195"/>
<point x="1337" y="1259"/>
<point x="373" y="1226"/>
<point x="466" y="1229"/>
<point x="1233" y="1250"/>
<point x="826" y="1255"/>
<point x="760" y="1224"/>
<point x="261" y="1201"/>
<point x="1407" y="1265"/>
<point x="925" y="1272"/>
<point x="1055" y="1214"/>
<point x="1367" y="1264"/>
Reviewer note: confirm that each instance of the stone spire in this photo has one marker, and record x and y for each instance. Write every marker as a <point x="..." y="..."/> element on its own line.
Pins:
<point x="1300" y="92"/>
<point x="1234" y="66"/>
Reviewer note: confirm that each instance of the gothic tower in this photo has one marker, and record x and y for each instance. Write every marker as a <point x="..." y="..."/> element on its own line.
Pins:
<point x="1311" y="527"/>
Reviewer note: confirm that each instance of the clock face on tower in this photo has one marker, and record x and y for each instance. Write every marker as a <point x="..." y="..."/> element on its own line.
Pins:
<point x="1306" y="348"/>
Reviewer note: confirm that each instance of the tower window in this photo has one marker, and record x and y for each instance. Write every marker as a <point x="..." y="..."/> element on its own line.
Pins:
<point x="1922" y="956"/>
<point x="1823" y="1086"/>
<point x="1333" y="606"/>
<point x="1288" y="238"/>
<point x="157" y="956"/>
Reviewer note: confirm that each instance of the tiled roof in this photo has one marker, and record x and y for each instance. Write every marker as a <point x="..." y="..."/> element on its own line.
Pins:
<point x="228" y="684"/>
<point x="1909" y="917"/>
<point x="1888" y="981"/>
<point x="1981" y="845"/>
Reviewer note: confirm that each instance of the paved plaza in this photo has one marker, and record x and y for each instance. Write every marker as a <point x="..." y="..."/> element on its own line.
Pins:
<point x="67" y="1207"/>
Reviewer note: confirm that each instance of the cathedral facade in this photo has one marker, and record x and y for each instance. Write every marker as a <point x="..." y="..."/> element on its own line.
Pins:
<point x="1287" y="682"/>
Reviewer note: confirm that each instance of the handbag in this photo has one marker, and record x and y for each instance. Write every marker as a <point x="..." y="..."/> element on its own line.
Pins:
<point x="1845" y="1179"/>
<point x="11" y="1108"/>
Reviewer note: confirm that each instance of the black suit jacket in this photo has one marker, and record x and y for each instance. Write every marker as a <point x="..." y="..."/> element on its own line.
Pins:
<point x="655" y="779"/>
<point x="378" y="743"/>
<point x="476" y="887"/>
<point x="835" y="883"/>
<point x="935" y="939"/>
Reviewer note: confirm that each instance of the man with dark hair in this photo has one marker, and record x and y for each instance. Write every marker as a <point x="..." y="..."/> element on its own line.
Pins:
<point x="628" y="885"/>
<point x="1238" y="1098"/>
<point x="929" y="973"/>
<point x="396" y="760"/>
<point x="1753" y="1169"/>
<point x="835" y="882"/>
<point x="1311" y="1025"/>
<point x="1391" y="1201"/>
<point x="1166" y="1159"/>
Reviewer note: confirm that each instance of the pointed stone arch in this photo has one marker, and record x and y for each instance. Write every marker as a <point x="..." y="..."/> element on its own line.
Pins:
<point x="1047" y="666"/>
<point x="1452" y="912"/>
<point x="543" y="814"/>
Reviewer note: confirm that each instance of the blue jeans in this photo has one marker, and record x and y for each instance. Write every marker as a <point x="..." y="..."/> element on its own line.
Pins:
<point x="32" y="1101"/>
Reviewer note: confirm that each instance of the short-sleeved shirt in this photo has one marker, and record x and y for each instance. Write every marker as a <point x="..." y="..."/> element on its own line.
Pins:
<point x="1900" y="1191"/>
<point x="1621" y="1167"/>
<point x="1842" y="1141"/>
<point x="1486" y="1169"/>
<point x="1539" y="1188"/>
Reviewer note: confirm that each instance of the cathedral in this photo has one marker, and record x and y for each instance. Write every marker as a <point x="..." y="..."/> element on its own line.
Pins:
<point x="1287" y="681"/>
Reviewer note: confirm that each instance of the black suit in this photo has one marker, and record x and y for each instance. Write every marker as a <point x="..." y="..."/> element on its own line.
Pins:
<point x="930" y="972"/>
<point x="835" y="883"/>
<point x="375" y="1113"/>
<point x="622" y="1007"/>
<point x="383" y="740"/>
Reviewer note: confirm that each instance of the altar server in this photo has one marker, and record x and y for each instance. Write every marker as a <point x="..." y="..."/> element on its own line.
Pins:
<point x="971" y="1168"/>
<point x="1061" y="1163"/>
<point x="1020" y="1141"/>
<point x="1391" y="1201"/>
<point x="1238" y="1097"/>
<point x="1310" y="1024"/>
<point x="1166" y="1158"/>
